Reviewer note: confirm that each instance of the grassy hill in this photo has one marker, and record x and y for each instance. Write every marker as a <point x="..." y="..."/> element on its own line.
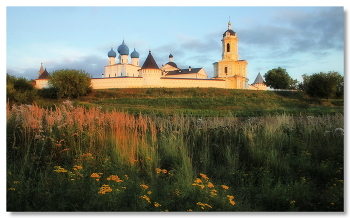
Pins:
<point x="207" y="102"/>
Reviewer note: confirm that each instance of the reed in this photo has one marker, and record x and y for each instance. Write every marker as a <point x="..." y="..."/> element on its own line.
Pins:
<point x="116" y="161"/>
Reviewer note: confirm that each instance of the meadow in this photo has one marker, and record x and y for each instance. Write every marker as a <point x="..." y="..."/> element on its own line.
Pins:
<point x="77" y="158"/>
<point x="204" y="102"/>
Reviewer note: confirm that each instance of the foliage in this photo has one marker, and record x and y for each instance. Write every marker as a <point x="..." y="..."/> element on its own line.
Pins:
<point x="20" y="90"/>
<point x="70" y="83"/>
<point x="76" y="159"/>
<point x="48" y="92"/>
<point x="324" y="85"/>
<point x="278" y="78"/>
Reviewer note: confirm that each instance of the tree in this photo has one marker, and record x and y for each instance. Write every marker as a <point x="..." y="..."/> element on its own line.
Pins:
<point x="70" y="83"/>
<point x="278" y="78"/>
<point x="20" y="90"/>
<point x="324" y="85"/>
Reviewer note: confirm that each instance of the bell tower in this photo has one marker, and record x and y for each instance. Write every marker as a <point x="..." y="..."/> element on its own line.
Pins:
<point x="229" y="68"/>
<point x="230" y="44"/>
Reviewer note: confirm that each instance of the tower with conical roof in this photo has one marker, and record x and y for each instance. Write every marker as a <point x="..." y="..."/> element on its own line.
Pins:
<point x="230" y="68"/>
<point x="259" y="83"/>
<point x="43" y="77"/>
<point x="150" y="72"/>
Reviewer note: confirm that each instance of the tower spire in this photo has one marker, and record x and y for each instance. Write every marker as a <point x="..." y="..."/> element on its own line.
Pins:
<point x="229" y="24"/>
<point x="41" y="70"/>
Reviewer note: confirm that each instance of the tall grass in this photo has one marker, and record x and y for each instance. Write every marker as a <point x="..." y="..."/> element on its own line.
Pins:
<point x="77" y="159"/>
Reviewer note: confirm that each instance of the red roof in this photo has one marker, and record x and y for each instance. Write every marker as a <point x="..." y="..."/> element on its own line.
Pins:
<point x="150" y="63"/>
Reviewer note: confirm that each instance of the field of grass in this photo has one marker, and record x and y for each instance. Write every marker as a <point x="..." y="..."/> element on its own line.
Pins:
<point x="205" y="102"/>
<point x="74" y="158"/>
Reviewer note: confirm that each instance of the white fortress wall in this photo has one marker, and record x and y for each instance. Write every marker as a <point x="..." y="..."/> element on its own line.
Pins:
<point x="119" y="82"/>
<point x="194" y="83"/>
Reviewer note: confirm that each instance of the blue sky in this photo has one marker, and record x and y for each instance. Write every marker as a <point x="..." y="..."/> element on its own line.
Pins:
<point x="302" y="40"/>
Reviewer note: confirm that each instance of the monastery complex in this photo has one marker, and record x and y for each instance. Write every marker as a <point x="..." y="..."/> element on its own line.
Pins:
<point x="229" y="72"/>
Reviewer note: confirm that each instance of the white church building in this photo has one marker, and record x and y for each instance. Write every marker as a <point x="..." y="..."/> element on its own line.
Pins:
<point x="229" y="72"/>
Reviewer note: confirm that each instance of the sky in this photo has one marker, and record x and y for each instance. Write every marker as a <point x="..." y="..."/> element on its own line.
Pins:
<point x="302" y="40"/>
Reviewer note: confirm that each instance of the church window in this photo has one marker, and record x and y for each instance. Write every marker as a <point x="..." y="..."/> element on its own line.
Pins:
<point x="228" y="47"/>
<point x="226" y="70"/>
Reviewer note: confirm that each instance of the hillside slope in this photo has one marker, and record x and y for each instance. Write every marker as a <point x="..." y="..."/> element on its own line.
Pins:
<point x="209" y="102"/>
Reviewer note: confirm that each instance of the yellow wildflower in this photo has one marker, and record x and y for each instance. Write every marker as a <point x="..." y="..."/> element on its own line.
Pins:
<point x="59" y="169"/>
<point x="115" y="178"/>
<point x="144" y="186"/>
<point x="230" y="198"/>
<point x="164" y="171"/>
<point x="76" y="167"/>
<point x="224" y="187"/>
<point x="16" y="182"/>
<point x="198" y="180"/>
<point x="127" y="177"/>
<point x="158" y="170"/>
<point x="204" y="176"/>
<point x="146" y="198"/>
<point x="12" y="189"/>
<point x="210" y="185"/>
<point x="203" y="205"/>
<point x="104" y="189"/>
<point x="189" y="210"/>
<point x="95" y="175"/>
<point x="202" y="186"/>
<point x="148" y="158"/>
<point x="232" y="202"/>
<point x="213" y="192"/>
<point x="157" y="204"/>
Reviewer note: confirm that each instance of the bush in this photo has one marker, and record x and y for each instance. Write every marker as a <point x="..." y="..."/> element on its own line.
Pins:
<point x="71" y="83"/>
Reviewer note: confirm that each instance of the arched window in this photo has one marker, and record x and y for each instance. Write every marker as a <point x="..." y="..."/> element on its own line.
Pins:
<point x="228" y="47"/>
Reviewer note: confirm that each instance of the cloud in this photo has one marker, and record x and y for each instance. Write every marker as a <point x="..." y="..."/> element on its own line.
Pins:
<point x="295" y="32"/>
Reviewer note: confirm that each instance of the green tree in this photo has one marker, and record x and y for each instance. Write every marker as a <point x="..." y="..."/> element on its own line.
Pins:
<point x="20" y="90"/>
<point x="70" y="83"/>
<point x="278" y="78"/>
<point x="324" y="85"/>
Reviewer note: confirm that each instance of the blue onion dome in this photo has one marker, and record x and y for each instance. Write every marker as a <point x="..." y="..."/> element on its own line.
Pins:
<point x="134" y="54"/>
<point x="123" y="49"/>
<point x="112" y="53"/>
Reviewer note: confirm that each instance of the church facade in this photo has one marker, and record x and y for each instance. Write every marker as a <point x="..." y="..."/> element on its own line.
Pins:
<point x="229" y="73"/>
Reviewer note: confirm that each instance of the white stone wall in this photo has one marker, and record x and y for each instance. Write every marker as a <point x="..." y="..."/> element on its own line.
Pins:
<point x="122" y="82"/>
<point x="153" y="80"/>
<point x="192" y="83"/>
<point x="41" y="83"/>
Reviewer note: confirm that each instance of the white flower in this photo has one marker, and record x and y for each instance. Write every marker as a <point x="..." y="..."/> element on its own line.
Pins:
<point x="339" y="131"/>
